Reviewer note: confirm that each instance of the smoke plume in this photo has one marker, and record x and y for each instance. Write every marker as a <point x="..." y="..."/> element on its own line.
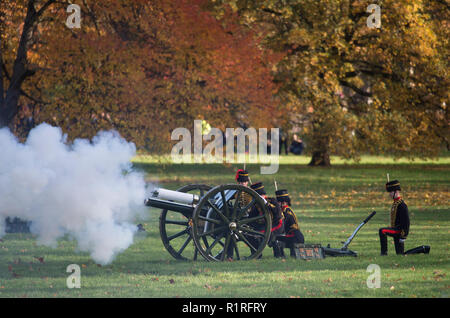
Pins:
<point x="85" y="189"/>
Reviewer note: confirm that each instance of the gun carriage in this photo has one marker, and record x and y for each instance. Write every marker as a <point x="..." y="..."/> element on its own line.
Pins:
<point x="226" y="221"/>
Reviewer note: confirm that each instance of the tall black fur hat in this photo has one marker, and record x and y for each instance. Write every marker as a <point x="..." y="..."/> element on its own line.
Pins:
<point x="242" y="176"/>
<point x="259" y="188"/>
<point x="393" y="185"/>
<point x="283" y="196"/>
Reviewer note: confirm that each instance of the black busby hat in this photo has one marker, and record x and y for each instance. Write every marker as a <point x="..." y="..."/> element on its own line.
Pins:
<point x="393" y="185"/>
<point x="283" y="196"/>
<point x="259" y="188"/>
<point x="242" y="175"/>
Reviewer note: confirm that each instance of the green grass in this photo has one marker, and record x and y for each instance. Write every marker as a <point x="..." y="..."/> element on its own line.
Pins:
<point x="305" y="159"/>
<point x="329" y="202"/>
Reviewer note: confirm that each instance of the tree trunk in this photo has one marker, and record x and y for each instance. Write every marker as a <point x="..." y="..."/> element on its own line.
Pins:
<point x="320" y="158"/>
<point x="10" y="106"/>
<point x="320" y="144"/>
<point x="2" y="91"/>
<point x="10" y="102"/>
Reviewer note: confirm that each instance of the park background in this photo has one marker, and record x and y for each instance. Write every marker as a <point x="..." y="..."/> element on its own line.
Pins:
<point x="366" y="101"/>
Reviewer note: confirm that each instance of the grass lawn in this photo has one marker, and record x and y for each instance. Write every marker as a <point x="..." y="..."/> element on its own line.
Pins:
<point x="329" y="203"/>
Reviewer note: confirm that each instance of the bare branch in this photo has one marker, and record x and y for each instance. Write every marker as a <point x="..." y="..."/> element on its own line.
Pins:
<point x="44" y="7"/>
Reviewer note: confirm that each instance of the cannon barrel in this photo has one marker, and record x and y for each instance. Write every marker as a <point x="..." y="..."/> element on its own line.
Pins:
<point x="172" y="206"/>
<point x="170" y="195"/>
<point x="172" y="200"/>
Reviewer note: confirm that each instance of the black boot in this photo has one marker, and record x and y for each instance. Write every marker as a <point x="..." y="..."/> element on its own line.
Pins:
<point x="282" y="251"/>
<point x="399" y="246"/>
<point x="277" y="251"/>
<point x="295" y="251"/>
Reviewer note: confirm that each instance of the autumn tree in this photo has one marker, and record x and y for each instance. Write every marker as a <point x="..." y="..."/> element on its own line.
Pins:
<point x="357" y="88"/>
<point x="145" y="68"/>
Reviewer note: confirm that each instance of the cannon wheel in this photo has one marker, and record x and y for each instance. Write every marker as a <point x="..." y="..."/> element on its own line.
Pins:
<point x="225" y="228"/>
<point x="175" y="228"/>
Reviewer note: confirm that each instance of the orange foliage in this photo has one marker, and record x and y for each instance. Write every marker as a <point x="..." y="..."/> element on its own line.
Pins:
<point x="145" y="68"/>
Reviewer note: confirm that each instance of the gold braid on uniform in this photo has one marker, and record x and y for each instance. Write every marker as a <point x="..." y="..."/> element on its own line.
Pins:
<point x="244" y="199"/>
<point x="294" y="226"/>
<point x="394" y="211"/>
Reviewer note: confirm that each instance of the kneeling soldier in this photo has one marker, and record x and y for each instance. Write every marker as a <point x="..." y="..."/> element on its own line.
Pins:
<point x="293" y="234"/>
<point x="399" y="220"/>
<point x="276" y="216"/>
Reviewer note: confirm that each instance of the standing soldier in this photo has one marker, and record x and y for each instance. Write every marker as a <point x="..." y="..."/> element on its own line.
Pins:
<point x="399" y="227"/>
<point x="276" y="216"/>
<point x="293" y="234"/>
<point x="242" y="178"/>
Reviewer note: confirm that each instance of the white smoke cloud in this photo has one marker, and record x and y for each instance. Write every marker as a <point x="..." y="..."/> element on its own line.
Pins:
<point x="85" y="190"/>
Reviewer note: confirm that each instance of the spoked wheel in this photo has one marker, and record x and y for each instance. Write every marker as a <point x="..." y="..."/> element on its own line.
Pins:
<point x="227" y="227"/>
<point x="175" y="228"/>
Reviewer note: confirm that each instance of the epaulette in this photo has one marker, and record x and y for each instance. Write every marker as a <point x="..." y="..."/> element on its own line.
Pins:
<point x="288" y="209"/>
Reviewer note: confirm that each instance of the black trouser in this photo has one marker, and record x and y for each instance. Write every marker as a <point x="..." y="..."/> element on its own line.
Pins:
<point x="255" y="241"/>
<point x="290" y="241"/>
<point x="398" y="242"/>
<point x="273" y="242"/>
<point x="277" y="248"/>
